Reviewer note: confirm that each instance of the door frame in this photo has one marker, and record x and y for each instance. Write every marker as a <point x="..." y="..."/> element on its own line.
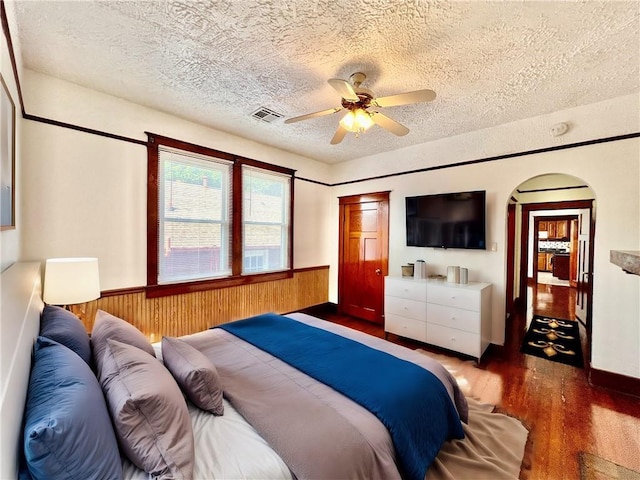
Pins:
<point x="536" y="238"/>
<point x="511" y="257"/>
<point x="524" y="240"/>
<point x="524" y="252"/>
<point x="355" y="199"/>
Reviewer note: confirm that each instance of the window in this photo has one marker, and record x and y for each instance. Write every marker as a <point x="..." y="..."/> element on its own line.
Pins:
<point x="214" y="219"/>
<point x="194" y="198"/>
<point x="265" y="220"/>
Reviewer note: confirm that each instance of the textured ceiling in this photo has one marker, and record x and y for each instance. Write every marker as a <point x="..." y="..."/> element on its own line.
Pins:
<point x="216" y="62"/>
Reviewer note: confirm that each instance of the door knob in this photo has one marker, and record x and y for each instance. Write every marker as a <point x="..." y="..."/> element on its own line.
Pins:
<point x="378" y="271"/>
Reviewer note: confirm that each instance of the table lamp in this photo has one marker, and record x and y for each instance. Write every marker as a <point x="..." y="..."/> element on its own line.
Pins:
<point x="70" y="281"/>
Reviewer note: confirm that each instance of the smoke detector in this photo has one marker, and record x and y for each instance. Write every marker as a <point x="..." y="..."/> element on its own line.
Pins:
<point x="559" y="129"/>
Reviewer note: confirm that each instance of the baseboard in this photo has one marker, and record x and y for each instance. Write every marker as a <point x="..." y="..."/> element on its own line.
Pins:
<point x="615" y="381"/>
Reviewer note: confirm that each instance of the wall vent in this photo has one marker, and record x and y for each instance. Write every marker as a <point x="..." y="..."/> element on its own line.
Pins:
<point x="266" y="115"/>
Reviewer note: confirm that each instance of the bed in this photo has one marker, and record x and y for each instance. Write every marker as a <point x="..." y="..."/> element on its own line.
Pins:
<point x="277" y="421"/>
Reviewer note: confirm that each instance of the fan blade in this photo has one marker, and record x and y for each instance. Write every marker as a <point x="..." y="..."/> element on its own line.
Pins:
<point x="339" y="135"/>
<point x="388" y="124"/>
<point x="417" y="96"/>
<point x="313" y="115"/>
<point x="344" y="89"/>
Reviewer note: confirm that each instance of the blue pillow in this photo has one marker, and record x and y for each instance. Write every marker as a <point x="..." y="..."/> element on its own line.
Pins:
<point x="64" y="327"/>
<point x="68" y="431"/>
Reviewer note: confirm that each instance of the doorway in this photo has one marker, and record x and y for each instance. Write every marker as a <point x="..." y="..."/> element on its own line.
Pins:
<point x="555" y="222"/>
<point x="363" y="256"/>
<point x="555" y="250"/>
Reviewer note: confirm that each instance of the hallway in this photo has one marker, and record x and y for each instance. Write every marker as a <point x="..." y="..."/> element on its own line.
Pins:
<point x="552" y="300"/>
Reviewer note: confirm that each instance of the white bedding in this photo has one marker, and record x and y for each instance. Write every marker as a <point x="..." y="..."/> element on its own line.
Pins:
<point x="227" y="447"/>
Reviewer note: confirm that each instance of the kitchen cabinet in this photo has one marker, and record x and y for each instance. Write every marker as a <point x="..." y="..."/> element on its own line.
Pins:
<point x="551" y="229"/>
<point x="562" y="229"/>
<point x="556" y="229"/>
<point x="549" y="262"/>
<point x="544" y="262"/>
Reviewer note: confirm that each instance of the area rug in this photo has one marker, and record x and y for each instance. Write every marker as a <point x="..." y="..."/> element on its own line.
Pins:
<point x="494" y="443"/>
<point x="553" y="339"/>
<point x="593" y="467"/>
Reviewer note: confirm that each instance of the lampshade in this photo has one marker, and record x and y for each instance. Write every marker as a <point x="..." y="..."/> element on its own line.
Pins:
<point x="357" y="120"/>
<point x="68" y="281"/>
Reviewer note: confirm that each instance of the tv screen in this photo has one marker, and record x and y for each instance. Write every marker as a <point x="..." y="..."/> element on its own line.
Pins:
<point x="447" y="220"/>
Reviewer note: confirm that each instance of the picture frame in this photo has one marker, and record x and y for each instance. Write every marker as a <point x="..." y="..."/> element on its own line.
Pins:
<point x="7" y="158"/>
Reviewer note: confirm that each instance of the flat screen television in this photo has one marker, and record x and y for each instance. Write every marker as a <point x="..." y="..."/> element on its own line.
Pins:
<point x="447" y="220"/>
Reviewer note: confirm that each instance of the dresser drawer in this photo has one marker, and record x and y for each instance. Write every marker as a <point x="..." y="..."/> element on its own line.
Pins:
<point x="405" y="327"/>
<point x="454" y="297"/>
<point x="456" y="340"/>
<point x="457" y="318"/>
<point x="405" y="308"/>
<point x="411" y="289"/>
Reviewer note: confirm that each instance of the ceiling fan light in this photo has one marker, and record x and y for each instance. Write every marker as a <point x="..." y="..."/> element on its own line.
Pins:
<point x="356" y="121"/>
<point x="363" y="119"/>
<point x="348" y="121"/>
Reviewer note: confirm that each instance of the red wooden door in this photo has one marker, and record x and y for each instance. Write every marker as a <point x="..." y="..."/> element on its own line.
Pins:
<point x="363" y="255"/>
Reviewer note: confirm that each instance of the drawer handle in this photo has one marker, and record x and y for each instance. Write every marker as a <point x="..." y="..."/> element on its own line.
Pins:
<point x="453" y="339"/>
<point x="406" y="308"/>
<point x="453" y="319"/>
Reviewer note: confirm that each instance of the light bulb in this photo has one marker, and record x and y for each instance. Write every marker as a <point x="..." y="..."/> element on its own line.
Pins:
<point x="356" y="121"/>
<point x="363" y="120"/>
<point x="348" y="121"/>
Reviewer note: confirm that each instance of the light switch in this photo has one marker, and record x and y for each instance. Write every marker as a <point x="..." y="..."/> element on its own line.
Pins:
<point x="494" y="247"/>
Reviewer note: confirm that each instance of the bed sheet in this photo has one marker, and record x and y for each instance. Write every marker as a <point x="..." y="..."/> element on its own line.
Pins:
<point x="228" y="447"/>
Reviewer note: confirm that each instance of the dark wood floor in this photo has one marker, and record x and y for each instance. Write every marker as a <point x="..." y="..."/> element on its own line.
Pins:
<point x="565" y="415"/>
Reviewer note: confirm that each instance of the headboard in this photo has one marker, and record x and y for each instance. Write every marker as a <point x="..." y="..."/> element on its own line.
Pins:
<point x="20" y="308"/>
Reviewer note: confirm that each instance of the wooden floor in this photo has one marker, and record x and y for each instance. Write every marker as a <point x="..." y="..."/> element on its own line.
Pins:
<point x="565" y="415"/>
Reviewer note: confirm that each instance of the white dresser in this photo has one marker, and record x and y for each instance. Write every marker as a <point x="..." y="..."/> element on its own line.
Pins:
<point x="405" y="307"/>
<point x="449" y="315"/>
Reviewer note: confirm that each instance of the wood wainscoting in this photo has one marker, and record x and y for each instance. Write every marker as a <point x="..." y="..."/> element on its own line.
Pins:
<point x="188" y="313"/>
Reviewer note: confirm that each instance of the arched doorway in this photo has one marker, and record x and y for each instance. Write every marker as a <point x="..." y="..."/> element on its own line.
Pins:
<point x="551" y="221"/>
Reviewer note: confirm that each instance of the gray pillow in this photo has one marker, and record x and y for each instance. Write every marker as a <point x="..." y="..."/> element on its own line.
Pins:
<point x="109" y="326"/>
<point x="148" y="411"/>
<point x="195" y="374"/>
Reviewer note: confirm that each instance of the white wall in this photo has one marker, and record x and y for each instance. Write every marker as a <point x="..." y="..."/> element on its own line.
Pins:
<point x="613" y="172"/>
<point x="86" y="194"/>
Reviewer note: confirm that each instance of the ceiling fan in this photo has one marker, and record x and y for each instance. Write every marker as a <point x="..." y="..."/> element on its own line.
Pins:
<point x="363" y="107"/>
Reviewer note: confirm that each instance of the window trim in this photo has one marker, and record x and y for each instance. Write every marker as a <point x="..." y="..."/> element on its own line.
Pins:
<point x="153" y="289"/>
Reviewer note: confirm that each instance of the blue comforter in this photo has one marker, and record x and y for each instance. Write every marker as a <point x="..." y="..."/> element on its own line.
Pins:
<point x="409" y="400"/>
